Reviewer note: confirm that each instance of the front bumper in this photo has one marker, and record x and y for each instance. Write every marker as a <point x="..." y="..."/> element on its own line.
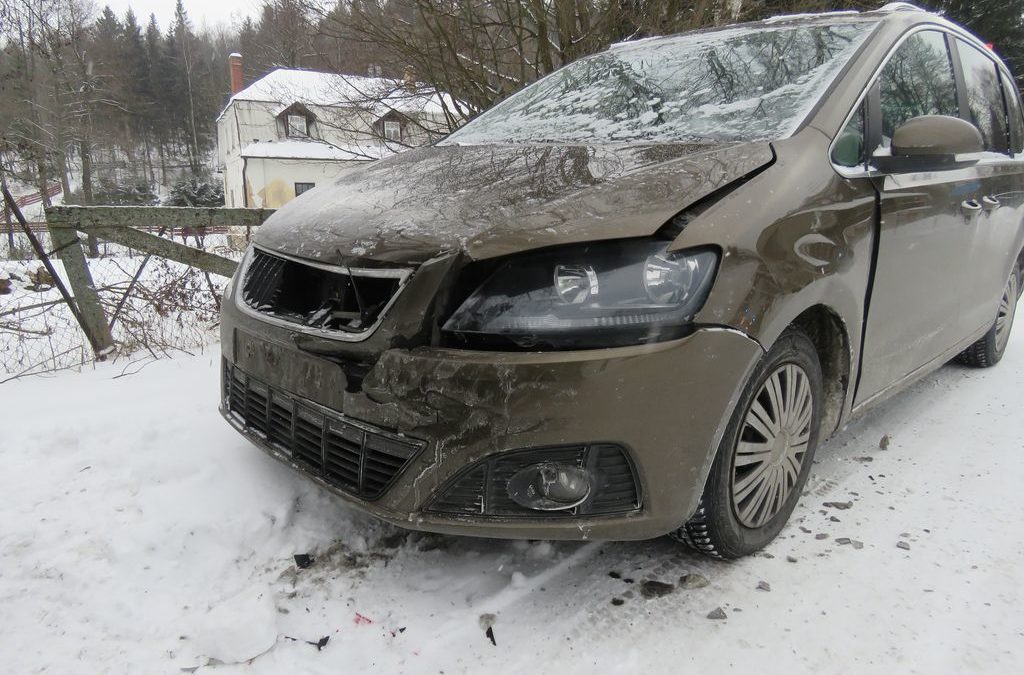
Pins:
<point x="667" y="403"/>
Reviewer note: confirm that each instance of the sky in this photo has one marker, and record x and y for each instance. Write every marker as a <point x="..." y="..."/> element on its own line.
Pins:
<point x="211" y="12"/>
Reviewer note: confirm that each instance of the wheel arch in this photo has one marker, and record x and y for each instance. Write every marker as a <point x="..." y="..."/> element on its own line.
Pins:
<point x="827" y="331"/>
<point x="1020" y="269"/>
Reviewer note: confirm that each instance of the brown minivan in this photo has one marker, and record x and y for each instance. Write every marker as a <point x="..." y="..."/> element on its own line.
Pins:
<point x="631" y="299"/>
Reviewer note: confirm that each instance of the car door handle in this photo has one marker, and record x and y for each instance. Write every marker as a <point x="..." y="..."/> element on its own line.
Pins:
<point x="970" y="207"/>
<point x="989" y="203"/>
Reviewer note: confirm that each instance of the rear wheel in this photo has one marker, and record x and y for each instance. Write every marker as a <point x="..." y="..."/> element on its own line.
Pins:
<point x="765" y="455"/>
<point x="989" y="349"/>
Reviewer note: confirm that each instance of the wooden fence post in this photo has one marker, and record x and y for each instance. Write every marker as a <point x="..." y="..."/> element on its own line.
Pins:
<point x="69" y="247"/>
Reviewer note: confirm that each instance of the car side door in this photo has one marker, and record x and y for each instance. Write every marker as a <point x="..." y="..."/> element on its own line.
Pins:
<point x="990" y="101"/>
<point x="923" y="238"/>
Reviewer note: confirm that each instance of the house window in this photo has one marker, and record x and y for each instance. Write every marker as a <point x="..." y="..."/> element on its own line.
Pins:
<point x="303" y="187"/>
<point x="298" y="126"/>
<point x="393" y="131"/>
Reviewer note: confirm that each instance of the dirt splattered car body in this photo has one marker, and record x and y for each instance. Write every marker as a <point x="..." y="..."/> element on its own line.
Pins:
<point x="381" y="397"/>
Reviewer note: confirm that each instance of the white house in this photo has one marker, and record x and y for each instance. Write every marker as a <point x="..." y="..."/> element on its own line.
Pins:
<point x="292" y="130"/>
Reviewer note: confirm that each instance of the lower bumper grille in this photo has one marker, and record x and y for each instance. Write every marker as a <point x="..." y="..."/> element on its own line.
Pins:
<point x="352" y="456"/>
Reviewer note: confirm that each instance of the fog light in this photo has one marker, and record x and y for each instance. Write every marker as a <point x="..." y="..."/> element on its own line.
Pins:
<point x="549" y="486"/>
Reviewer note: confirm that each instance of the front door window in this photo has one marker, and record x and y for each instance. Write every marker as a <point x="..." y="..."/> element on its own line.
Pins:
<point x="917" y="80"/>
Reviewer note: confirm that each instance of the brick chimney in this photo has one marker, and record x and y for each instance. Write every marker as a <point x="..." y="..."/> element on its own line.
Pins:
<point x="235" y="63"/>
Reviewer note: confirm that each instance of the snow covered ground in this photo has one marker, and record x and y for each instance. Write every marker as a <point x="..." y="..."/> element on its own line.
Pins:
<point x="140" y="534"/>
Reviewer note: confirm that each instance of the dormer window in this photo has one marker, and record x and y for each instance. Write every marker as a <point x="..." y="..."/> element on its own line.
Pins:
<point x="393" y="131"/>
<point x="298" y="126"/>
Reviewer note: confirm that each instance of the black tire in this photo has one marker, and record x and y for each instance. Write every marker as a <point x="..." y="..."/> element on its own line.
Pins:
<point x="989" y="349"/>
<point x="716" y="528"/>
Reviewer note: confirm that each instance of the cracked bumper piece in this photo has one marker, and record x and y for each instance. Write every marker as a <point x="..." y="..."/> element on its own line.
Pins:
<point x="430" y="439"/>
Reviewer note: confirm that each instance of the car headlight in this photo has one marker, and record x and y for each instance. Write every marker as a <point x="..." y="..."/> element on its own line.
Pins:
<point x="599" y="295"/>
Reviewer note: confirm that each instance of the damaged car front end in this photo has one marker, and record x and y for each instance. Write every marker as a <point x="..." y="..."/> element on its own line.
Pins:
<point x="459" y="389"/>
<point x="630" y="299"/>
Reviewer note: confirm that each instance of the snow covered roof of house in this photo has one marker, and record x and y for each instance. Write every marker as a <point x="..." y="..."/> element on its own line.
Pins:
<point x="318" y="150"/>
<point x="377" y="94"/>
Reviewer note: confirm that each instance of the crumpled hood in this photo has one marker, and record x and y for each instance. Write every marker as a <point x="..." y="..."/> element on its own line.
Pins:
<point x="489" y="201"/>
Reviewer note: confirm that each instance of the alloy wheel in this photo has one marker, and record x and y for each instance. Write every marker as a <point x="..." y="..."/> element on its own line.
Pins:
<point x="1007" y="308"/>
<point x="772" y="443"/>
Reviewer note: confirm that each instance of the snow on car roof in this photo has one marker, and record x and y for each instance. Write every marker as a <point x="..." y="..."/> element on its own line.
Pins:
<point x="809" y="15"/>
<point x="723" y="32"/>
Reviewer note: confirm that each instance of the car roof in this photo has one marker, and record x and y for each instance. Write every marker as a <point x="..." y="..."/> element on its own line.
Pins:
<point x="896" y="12"/>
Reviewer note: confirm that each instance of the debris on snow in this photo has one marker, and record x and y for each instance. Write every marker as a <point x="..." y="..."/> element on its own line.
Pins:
<point x="763" y="586"/>
<point x="790" y="558"/>
<point x="655" y="589"/>
<point x="618" y="601"/>
<point x="361" y="620"/>
<point x="319" y="644"/>
<point x="821" y="535"/>
<point x="303" y="560"/>
<point x="692" y="581"/>
<point x="884" y="443"/>
<point x="904" y="545"/>
<point x="842" y="506"/>
<point x="717" y="614"/>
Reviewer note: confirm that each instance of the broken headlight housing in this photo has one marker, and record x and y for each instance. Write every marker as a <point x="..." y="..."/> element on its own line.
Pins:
<point x="598" y="295"/>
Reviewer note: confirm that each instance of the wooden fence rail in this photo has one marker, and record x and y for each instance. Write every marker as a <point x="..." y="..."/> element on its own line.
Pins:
<point x="125" y="225"/>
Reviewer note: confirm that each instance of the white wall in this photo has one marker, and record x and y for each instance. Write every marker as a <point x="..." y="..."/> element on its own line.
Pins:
<point x="270" y="182"/>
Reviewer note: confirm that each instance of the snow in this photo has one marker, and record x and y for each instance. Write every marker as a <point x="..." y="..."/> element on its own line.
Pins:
<point x="171" y="305"/>
<point x="142" y="534"/>
<point x="288" y="86"/>
<point x="296" y="149"/>
<point x="781" y="18"/>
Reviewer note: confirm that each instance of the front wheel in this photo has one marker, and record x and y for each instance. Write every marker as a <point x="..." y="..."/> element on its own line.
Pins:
<point x="989" y="349"/>
<point x="765" y="455"/>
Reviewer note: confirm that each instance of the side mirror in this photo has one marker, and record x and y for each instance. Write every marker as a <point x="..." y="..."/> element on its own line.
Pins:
<point x="931" y="142"/>
<point x="936" y="135"/>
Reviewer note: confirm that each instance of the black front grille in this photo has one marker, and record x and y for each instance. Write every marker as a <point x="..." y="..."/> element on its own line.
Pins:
<point x="354" y="457"/>
<point x="482" y="489"/>
<point x="316" y="297"/>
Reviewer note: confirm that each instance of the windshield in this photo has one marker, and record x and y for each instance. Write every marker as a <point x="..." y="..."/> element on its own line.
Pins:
<point x="746" y="83"/>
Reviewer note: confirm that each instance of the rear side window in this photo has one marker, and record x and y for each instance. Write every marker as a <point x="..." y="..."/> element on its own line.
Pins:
<point x="984" y="97"/>
<point x="1013" y="110"/>
<point x="917" y="80"/>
